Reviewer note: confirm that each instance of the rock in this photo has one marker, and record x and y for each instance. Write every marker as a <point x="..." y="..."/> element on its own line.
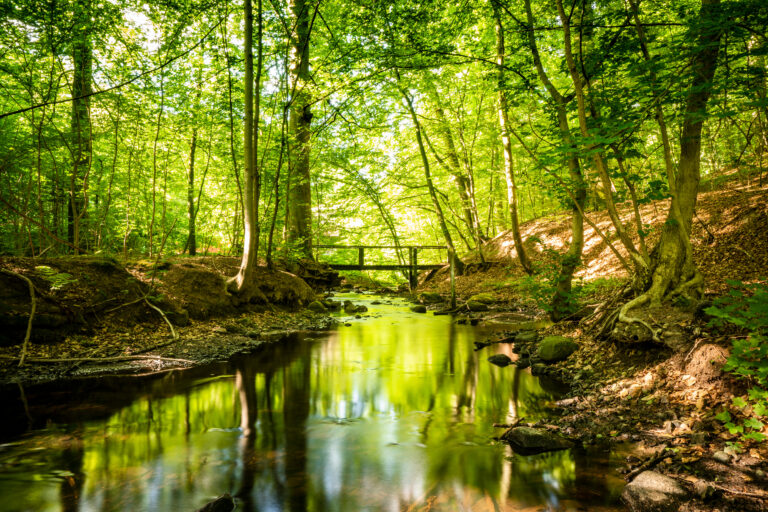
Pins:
<point x="219" y="330"/>
<point x="317" y="307"/>
<point x="523" y="363"/>
<point x="474" y="305"/>
<point x="631" y="391"/>
<point x="223" y="503"/>
<point x="419" y="308"/>
<point x="484" y="298"/>
<point x="703" y="489"/>
<point x="430" y="298"/>
<point x="500" y="360"/>
<point x="529" y="441"/>
<point x="653" y="492"/>
<point x="722" y="457"/>
<point x="461" y="321"/>
<point x="538" y="369"/>
<point x="699" y="438"/>
<point x="556" y="348"/>
<point x="526" y="337"/>
<point x="474" y="321"/>
<point x="350" y="308"/>
<point x="331" y="305"/>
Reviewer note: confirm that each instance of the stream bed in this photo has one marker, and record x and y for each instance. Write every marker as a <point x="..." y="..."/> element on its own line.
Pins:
<point x="391" y="412"/>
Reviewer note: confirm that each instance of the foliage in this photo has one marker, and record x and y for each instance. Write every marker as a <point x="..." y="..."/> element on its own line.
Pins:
<point x="57" y="280"/>
<point x="746" y="307"/>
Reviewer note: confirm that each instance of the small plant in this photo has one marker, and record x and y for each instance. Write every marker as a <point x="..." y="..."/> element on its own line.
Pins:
<point x="58" y="280"/>
<point x="746" y="307"/>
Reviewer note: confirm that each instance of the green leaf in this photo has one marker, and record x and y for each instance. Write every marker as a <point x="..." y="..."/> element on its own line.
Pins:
<point x="724" y="416"/>
<point x="753" y="423"/>
<point x="739" y="402"/>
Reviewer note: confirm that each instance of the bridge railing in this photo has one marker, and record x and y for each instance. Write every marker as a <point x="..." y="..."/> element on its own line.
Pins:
<point x="412" y="265"/>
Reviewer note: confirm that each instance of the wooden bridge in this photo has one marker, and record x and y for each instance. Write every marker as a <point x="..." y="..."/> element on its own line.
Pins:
<point x="412" y="266"/>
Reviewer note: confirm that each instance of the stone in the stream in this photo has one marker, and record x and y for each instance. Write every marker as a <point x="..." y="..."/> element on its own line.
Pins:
<point x="317" y="307"/>
<point x="461" y="320"/>
<point x="500" y="360"/>
<point x="654" y="492"/>
<point x="430" y="298"/>
<point x="523" y="363"/>
<point x="223" y="503"/>
<point x="474" y="305"/>
<point x="485" y="298"/>
<point x="526" y="337"/>
<point x="350" y="308"/>
<point x="419" y="308"/>
<point x="556" y="348"/>
<point x="529" y="440"/>
<point x="538" y="369"/>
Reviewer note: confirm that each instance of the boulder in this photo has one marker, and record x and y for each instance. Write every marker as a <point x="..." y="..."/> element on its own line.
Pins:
<point x="485" y="298"/>
<point x="223" y="503"/>
<point x="523" y="363"/>
<point x="474" y="305"/>
<point x="500" y="360"/>
<point x="430" y="298"/>
<point x="538" y="369"/>
<point x="654" y="492"/>
<point x="556" y="348"/>
<point x="419" y="308"/>
<point x="317" y="307"/>
<point x="331" y="305"/>
<point x="529" y="441"/>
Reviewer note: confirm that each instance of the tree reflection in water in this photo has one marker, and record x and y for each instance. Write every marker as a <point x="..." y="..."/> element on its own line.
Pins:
<point x="390" y="413"/>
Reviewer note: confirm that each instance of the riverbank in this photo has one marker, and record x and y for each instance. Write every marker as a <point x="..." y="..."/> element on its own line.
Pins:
<point x="664" y="401"/>
<point x="97" y="316"/>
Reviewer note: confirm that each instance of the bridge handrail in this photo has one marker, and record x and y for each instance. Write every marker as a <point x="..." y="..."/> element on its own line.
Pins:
<point x="380" y="246"/>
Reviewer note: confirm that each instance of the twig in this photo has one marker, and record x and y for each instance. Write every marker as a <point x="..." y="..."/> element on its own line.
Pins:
<point x="760" y="496"/>
<point x="101" y="359"/>
<point x="32" y="310"/>
<point x="173" y="331"/>
<point x="648" y="464"/>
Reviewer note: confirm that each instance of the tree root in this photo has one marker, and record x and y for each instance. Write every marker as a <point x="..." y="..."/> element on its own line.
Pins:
<point x="32" y="310"/>
<point x="100" y="359"/>
<point x="624" y="318"/>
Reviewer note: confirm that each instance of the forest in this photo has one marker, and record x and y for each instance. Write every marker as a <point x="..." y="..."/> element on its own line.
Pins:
<point x="600" y="169"/>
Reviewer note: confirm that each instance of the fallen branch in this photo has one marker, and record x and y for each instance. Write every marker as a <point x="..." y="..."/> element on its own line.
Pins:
<point x="760" y="496"/>
<point x="100" y="359"/>
<point x="170" y="325"/>
<point x="32" y="310"/>
<point x="649" y="463"/>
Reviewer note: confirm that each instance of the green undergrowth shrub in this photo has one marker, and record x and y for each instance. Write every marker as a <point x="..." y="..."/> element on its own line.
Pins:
<point x="56" y="279"/>
<point x="745" y="308"/>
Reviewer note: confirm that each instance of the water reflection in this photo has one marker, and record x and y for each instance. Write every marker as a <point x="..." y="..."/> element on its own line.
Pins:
<point x="391" y="413"/>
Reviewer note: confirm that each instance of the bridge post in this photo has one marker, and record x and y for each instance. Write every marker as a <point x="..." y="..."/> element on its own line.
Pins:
<point x="412" y="275"/>
<point x="361" y="257"/>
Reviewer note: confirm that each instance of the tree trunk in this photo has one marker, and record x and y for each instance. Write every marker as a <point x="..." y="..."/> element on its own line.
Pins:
<point x="509" y="171"/>
<point x="562" y="298"/>
<point x="191" y="237"/>
<point x="299" y="228"/>
<point x="457" y="263"/>
<point x="82" y="57"/>
<point x="673" y="271"/>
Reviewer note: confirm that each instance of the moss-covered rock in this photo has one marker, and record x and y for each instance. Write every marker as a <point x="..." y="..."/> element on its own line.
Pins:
<point x="556" y="348"/>
<point x="419" y="308"/>
<point x="485" y="298"/>
<point x="474" y="305"/>
<point x="317" y="307"/>
<point x="430" y="298"/>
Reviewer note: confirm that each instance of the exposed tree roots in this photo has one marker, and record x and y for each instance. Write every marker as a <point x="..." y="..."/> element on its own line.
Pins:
<point x="32" y="310"/>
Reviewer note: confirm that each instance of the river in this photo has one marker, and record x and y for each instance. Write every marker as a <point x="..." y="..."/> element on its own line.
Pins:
<point x="392" y="412"/>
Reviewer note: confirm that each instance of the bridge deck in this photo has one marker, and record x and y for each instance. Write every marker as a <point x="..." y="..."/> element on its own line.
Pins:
<point x="352" y="266"/>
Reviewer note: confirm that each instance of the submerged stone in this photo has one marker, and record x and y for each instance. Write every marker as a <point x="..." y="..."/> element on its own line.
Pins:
<point x="419" y="308"/>
<point x="556" y="348"/>
<point x="529" y="440"/>
<point x="500" y="360"/>
<point x="653" y="492"/>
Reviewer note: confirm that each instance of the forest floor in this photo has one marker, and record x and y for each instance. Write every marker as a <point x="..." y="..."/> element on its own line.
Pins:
<point x="663" y="402"/>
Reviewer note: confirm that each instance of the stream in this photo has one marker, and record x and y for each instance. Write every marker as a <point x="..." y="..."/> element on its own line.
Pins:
<point x="391" y="412"/>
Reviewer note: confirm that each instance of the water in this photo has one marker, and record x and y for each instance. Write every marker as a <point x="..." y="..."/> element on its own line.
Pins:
<point x="391" y="413"/>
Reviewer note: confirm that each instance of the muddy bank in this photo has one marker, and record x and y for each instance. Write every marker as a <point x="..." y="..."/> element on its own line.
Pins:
<point x="95" y="316"/>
